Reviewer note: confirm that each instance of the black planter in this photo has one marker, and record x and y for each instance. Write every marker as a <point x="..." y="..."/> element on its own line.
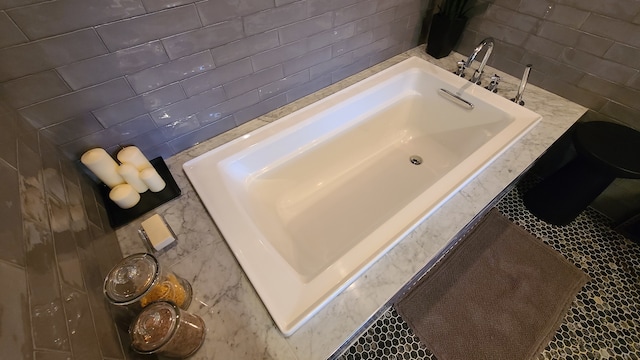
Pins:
<point x="444" y="35"/>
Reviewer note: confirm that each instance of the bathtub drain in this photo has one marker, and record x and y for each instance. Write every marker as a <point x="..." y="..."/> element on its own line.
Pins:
<point x="415" y="159"/>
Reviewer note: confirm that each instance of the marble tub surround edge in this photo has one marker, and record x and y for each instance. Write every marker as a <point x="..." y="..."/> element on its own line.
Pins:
<point x="239" y="326"/>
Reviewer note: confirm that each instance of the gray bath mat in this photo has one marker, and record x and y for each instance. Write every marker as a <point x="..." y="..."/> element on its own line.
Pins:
<point x="500" y="294"/>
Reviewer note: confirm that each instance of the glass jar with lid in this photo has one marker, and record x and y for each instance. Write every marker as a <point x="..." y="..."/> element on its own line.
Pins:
<point x="162" y="328"/>
<point x="138" y="280"/>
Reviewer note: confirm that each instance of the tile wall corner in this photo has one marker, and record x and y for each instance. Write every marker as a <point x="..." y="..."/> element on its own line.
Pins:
<point x="54" y="254"/>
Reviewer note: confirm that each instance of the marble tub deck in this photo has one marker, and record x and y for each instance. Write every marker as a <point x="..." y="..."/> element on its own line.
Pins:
<point x="238" y="325"/>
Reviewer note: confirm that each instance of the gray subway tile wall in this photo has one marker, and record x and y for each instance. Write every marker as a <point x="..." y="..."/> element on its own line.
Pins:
<point x="624" y="54"/>
<point x="309" y="87"/>
<point x="212" y="12"/>
<point x="175" y="113"/>
<point x="168" y="74"/>
<point x="561" y="34"/>
<point x="16" y="339"/>
<point x="217" y="77"/>
<point x="11" y="247"/>
<point x="34" y="88"/>
<point x="275" y="17"/>
<point x="571" y="43"/>
<point x="263" y="107"/>
<point x="155" y="5"/>
<point x="7" y="4"/>
<point x="63" y="107"/>
<point x="139" y="105"/>
<point x="305" y="28"/>
<point x="224" y="109"/>
<point x="280" y="54"/>
<point x="242" y="49"/>
<point x="284" y="84"/>
<point x="157" y="76"/>
<point x="256" y="79"/>
<point x="586" y="51"/>
<point x="208" y="131"/>
<point x="46" y="54"/>
<point x="71" y="129"/>
<point x="307" y="60"/>
<point x="50" y="262"/>
<point x="140" y="29"/>
<point x="593" y="44"/>
<point x="203" y="38"/>
<point x="99" y="69"/>
<point x="567" y="15"/>
<point x="355" y="12"/>
<point x="58" y="17"/>
<point x="79" y="70"/>
<point x="9" y="32"/>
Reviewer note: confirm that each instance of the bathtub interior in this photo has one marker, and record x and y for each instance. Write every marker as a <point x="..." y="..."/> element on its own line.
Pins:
<point x="316" y="192"/>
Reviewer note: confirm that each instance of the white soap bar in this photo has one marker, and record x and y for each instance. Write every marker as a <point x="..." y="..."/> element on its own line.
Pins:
<point x="125" y="196"/>
<point x="152" y="179"/>
<point x="157" y="232"/>
<point x="132" y="176"/>
<point x="133" y="156"/>
<point x="103" y="166"/>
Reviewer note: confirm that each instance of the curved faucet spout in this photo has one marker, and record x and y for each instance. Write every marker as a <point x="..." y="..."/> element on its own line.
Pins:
<point x="488" y="43"/>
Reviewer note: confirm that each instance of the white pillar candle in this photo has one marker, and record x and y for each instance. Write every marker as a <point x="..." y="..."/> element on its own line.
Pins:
<point x="125" y="196"/>
<point x="153" y="180"/>
<point x="132" y="176"/>
<point x="103" y="166"/>
<point x="133" y="156"/>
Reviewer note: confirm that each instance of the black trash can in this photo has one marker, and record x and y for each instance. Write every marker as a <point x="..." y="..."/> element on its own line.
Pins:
<point x="605" y="151"/>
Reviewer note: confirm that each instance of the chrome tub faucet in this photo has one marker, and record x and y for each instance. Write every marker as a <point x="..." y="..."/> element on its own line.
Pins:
<point x="463" y="65"/>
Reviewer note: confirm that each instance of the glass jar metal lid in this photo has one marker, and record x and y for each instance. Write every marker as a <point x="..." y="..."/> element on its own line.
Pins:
<point x="131" y="278"/>
<point x="154" y="327"/>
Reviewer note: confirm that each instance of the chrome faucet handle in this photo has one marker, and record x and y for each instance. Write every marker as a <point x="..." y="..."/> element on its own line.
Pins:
<point x="523" y="83"/>
<point x="462" y="66"/>
<point x="493" y="85"/>
<point x="476" y="78"/>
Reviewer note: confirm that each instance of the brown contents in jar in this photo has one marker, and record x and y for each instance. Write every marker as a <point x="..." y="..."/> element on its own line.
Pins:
<point x="152" y="330"/>
<point x="162" y="328"/>
<point x="188" y="337"/>
<point x="170" y="289"/>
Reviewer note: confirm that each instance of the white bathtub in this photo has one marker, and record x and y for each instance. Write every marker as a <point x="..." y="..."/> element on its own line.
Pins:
<point x="308" y="202"/>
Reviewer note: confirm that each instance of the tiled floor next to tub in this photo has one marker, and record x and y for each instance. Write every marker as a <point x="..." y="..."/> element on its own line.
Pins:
<point x="604" y="320"/>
